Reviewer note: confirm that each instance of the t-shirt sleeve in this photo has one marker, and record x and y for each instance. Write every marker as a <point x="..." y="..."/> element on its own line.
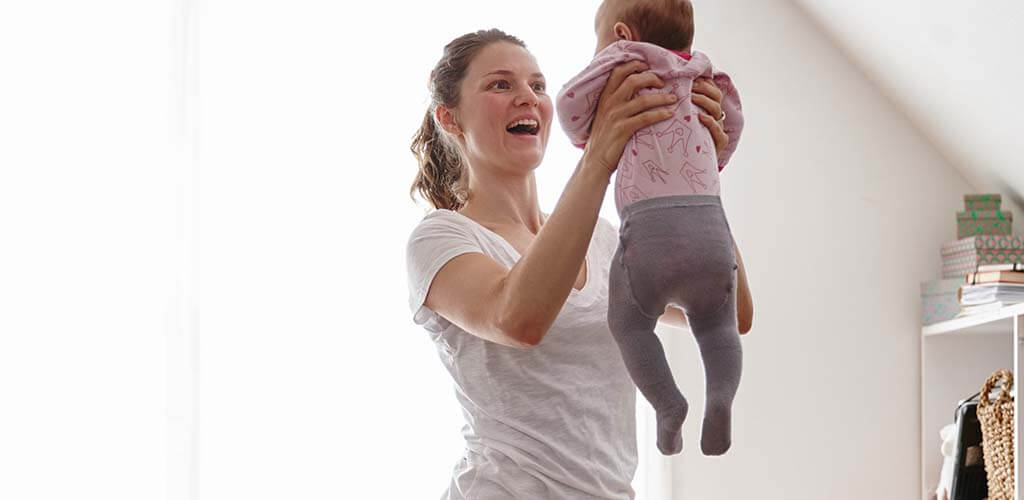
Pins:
<point x="434" y="242"/>
<point x="608" y="235"/>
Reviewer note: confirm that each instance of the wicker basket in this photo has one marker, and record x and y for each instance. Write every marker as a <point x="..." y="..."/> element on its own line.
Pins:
<point x="997" y="435"/>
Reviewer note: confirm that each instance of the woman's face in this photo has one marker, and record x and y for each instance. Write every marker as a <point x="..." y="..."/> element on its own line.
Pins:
<point x="504" y="113"/>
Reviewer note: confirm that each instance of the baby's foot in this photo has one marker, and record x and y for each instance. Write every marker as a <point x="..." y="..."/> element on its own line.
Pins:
<point x="716" y="432"/>
<point x="670" y="429"/>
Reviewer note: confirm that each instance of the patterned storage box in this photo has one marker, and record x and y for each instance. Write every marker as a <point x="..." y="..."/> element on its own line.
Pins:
<point x="953" y="268"/>
<point x="978" y="223"/>
<point x="985" y="243"/>
<point x="964" y="256"/>
<point x="938" y="300"/>
<point x="982" y="202"/>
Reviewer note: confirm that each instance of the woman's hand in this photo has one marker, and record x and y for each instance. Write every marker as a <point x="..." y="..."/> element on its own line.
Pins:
<point x="621" y="113"/>
<point x="744" y="302"/>
<point x="706" y="95"/>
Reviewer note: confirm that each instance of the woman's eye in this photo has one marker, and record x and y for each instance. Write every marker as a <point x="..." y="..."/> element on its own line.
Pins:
<point x="500" y="84"/>
<point x="539" y="87"/>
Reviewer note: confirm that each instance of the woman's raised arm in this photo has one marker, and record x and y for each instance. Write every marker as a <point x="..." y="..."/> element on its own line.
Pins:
<point x="517" y="307"/>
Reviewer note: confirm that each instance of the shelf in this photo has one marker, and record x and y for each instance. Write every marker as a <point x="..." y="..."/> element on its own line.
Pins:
<point x="978" y="324"/>
<point x="957" y="356"/>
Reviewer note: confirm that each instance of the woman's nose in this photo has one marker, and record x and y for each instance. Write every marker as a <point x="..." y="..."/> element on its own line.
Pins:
<point x="527" y="97"/>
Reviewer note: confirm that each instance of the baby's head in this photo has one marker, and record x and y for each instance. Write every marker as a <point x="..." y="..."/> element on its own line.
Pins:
<point x="666" y="23"/>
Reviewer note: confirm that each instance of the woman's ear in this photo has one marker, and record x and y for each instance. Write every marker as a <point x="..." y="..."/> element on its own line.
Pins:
<point x="622" y="32"/>
<point x="446" y="118"/>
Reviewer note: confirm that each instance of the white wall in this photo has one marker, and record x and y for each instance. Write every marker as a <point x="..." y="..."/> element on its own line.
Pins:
<point x="839" y="206"/>
<point x="90" y="249"/>
<point x="956" y="74"/>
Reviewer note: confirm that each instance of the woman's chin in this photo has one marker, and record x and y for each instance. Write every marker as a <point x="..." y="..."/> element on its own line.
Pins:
<point x="527" y="146"/>
<point x="530" y="159"/>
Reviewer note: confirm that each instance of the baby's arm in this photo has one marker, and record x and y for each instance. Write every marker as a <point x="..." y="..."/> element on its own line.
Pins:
<point x="733" y="123"/>
<point x="577" y="101"/>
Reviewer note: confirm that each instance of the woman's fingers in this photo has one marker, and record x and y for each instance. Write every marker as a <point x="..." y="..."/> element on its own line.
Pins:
<point x="706" y="87"/>
<point x="618" y="75"/>
<point x="647" y="118"/>
<point x="706" y="95"/>
<point x="717" y="133"/>
<point x="645" y="102"/>
<point x="635" y="82"/>
<point x="710" y="106"/>
<point x="621" y="112"/>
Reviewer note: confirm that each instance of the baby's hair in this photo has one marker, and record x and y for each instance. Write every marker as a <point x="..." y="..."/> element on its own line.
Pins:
<point x="665" y="23"/>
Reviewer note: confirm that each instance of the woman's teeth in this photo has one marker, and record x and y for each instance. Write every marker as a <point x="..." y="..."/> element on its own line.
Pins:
<point x="525" y="126"/>
<point x="527" y="122"/>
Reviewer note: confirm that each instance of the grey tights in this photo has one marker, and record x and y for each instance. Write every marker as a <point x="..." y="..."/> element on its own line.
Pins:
<point x="678" y="249"/>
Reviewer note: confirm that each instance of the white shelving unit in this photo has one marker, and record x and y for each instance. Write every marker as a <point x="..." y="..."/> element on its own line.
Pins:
<point x="957" y="356"/>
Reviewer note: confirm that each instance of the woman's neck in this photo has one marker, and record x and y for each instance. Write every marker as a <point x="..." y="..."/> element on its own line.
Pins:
<point x="502" y="202"/>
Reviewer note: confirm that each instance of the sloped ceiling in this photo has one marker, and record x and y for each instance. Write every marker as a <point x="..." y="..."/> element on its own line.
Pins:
<point x="956" y="68"/>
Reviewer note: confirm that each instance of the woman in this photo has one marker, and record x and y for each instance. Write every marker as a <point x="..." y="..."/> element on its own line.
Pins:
<point x="516" y="300"/>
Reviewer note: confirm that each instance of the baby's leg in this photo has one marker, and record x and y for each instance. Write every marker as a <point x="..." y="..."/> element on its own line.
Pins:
<point x="722" y="355"/>
<point x="644" y="356"/>
<point x="708" y="293"/>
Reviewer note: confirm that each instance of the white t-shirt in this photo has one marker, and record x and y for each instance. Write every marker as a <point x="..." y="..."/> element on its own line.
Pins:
<point x="553" y="422"/>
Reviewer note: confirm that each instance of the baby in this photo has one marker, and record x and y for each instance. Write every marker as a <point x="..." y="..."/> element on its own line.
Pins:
<point x="675" y="246"/>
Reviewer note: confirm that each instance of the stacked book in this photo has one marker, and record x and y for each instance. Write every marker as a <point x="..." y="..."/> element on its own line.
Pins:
<point x="985" y="245"/>
<point x="991" y="288"/>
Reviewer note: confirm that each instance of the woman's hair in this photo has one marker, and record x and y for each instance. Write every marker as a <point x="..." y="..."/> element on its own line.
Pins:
<point x="441" y="163"/>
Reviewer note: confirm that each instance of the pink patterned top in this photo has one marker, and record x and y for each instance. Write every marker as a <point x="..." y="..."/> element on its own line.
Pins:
<point x="674" y="157"/>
